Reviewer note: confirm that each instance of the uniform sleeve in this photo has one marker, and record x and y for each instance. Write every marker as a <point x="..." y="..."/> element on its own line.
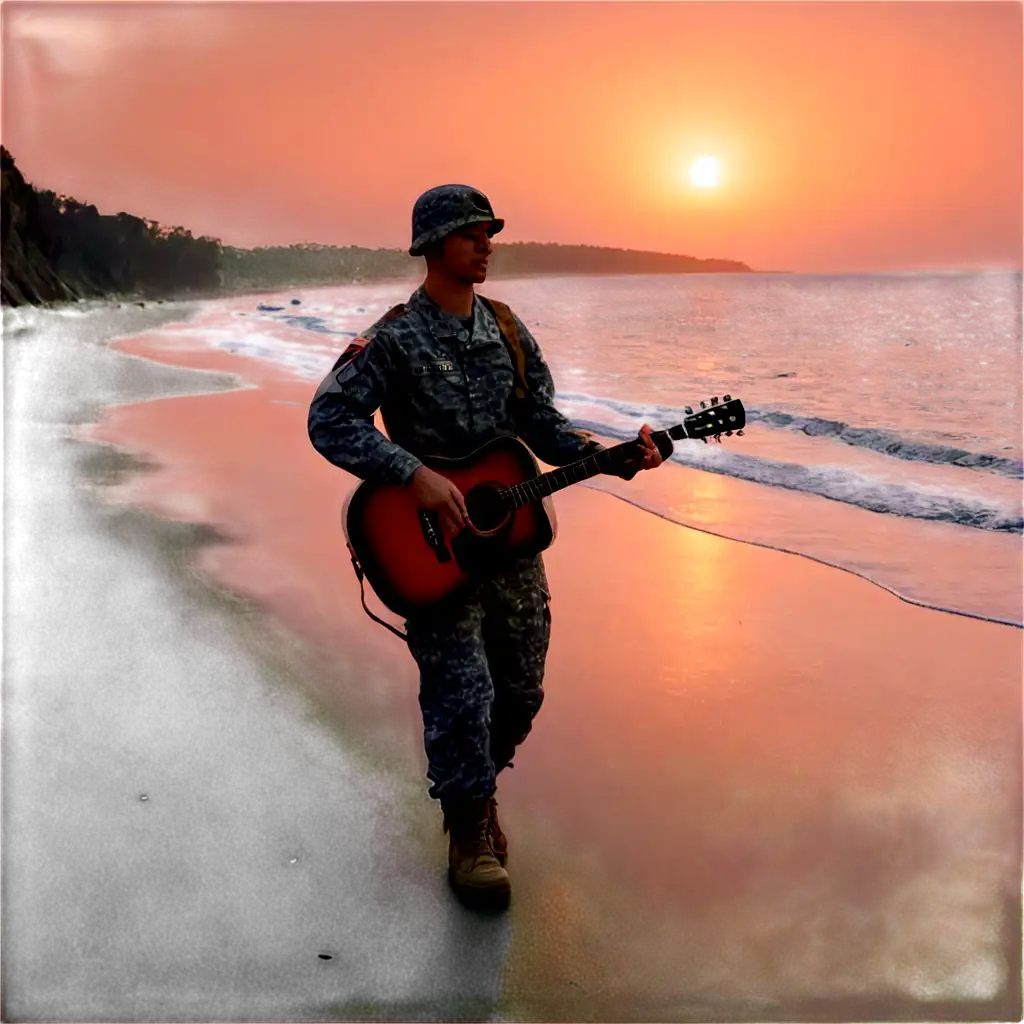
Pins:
<point x="549" y="434"/>
<point x="341" y="415"/>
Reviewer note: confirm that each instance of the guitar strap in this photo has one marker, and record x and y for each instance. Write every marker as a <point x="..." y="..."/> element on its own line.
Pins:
<point x="362" y="596"/>
<point x="514" y="344"/>
<point x="510" y="336"/>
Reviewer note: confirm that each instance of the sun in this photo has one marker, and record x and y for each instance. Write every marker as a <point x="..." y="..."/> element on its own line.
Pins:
<point x="706" y="172"/>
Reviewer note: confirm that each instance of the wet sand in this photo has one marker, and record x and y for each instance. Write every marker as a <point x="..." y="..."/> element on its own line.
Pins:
<point x="759" y="789"/>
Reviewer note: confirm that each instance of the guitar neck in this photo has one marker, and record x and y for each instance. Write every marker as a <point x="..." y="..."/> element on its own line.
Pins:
<point x="710" y="422"/>
<point x="600" y="462"/>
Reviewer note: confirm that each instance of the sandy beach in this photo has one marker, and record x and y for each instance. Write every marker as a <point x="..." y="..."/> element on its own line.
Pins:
<point x="759" y="789"/>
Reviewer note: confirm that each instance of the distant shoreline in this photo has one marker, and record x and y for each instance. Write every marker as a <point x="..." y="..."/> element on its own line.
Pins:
<point x="58" y="250"/>
<point x="200" y="294"/>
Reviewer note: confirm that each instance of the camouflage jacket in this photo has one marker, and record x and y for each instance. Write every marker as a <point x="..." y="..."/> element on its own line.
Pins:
<point x="440" y="392"/>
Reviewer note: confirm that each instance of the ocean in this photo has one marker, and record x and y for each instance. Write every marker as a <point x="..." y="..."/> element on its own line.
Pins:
<point x="883" y="411"/>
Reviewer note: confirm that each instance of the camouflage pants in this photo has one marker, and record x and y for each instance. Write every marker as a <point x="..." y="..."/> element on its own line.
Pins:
<point x="481" y="672"/>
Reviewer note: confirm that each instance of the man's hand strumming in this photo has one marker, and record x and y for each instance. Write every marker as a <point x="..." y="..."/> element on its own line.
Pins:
<point x="437" y="493"/>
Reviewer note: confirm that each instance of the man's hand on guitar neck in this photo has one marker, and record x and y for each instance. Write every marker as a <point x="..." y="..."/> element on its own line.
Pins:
<point x="647" y="456"/>
<point x="437" y="493"/>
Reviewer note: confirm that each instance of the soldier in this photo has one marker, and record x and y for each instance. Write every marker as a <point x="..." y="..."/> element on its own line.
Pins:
<point x="443" y="377"/>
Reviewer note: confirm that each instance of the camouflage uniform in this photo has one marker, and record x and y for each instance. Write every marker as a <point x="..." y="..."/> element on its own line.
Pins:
<point x="443" y="391"/>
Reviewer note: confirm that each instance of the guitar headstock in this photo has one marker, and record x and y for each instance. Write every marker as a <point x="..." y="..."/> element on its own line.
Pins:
<point x="713" y="419"/>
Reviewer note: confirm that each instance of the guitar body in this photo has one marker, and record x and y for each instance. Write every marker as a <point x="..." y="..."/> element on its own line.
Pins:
<point x="402" y="553"/>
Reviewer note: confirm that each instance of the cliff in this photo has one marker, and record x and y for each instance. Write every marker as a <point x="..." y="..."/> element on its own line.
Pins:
<point x="55" y="248"/>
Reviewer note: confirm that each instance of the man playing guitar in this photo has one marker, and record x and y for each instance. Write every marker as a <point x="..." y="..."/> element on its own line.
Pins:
<point x="447" y="379"/>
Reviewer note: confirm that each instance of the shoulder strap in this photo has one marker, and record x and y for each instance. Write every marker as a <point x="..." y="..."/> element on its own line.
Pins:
<point x="514" y="344"/>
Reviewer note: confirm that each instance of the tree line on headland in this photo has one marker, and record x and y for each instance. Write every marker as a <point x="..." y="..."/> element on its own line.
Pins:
<point x="54" y="248"/>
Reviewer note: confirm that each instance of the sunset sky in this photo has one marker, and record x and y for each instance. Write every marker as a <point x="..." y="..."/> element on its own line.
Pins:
<point x="852" y="136"/>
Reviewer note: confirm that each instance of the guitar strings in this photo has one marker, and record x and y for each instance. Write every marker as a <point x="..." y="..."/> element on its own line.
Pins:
<point x="538" y="487"/>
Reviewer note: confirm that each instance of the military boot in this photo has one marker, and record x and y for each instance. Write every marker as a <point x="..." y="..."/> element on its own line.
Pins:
<point x="475" y="874"/>
<point x="499" y="843"/>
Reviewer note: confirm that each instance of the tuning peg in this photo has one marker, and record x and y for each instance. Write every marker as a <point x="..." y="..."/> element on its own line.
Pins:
<point x="714" y="401"/>
<point x="726" y="398"/>
<point x="718" y="438"/>
<point x="688" y="411"/>
<point x="703" y="405"/>
<point x="728" y="433"/>
<point x="704" y="439"/>
<point x="739" y="433"/>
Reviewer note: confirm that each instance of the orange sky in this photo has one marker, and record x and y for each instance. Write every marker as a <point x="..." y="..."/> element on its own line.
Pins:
<point x="854" y="136"/>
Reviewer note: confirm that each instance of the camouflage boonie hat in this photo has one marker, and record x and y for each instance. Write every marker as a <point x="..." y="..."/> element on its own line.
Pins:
<point x="446" y="208"/>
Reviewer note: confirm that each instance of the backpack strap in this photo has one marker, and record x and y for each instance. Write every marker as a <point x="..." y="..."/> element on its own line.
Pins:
<point x="514" y="344"/>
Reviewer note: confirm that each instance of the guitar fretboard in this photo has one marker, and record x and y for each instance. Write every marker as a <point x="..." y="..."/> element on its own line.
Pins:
<point x="711" y="422"/>
<point x="547" y="483"/>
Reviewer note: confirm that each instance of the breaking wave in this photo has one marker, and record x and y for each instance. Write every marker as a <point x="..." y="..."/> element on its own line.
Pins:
<point x="836" y="483"/>
<point x="885" y="442"/>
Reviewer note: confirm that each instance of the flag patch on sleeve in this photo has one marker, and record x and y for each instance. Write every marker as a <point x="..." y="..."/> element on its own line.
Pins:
<point x="345" y="368"/>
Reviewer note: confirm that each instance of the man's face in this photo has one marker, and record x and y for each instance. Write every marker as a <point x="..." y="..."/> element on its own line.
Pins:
<point x="465" y="251"/>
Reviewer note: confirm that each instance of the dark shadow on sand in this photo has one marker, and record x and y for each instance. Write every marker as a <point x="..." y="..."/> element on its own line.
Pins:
<point x="181" y="838"/>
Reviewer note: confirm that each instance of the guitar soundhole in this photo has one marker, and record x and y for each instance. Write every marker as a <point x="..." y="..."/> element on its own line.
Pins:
<point x="487" y="511"/>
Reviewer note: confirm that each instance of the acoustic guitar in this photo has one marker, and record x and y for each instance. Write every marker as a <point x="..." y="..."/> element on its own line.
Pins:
<point x="400" y="548"/>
